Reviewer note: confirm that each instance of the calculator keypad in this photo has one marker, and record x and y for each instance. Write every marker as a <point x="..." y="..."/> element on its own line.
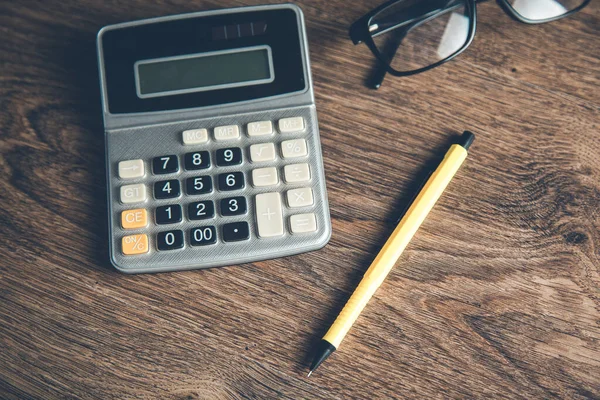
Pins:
<point x="165" y="165"/>
<point x="278" y="199"/>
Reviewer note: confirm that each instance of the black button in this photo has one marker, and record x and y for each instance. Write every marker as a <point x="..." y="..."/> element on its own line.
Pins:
<point x="167" y="189"/>
<point x="231" y="156"/>
<point x="199" y="185"/>
<point x="169" y="240"/>
<point x="233" y="206"/>
<point x="231" y="181"/>
<point x="201" y="210"/>
<point x="165" y="165"/>
<point x="236" y="231"/>
<point x="203" y="236"/>
<point x="197" y="160"/>
<point x="170" y="214"/>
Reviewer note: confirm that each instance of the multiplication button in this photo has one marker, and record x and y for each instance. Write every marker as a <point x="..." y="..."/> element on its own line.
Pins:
<point x="301" y="197"/>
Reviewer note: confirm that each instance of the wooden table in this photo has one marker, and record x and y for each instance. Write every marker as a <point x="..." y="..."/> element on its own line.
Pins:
<point x="497" y="296"/>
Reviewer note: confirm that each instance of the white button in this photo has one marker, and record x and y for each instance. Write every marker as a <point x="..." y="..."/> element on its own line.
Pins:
<point x="262" y="152"/>
<point x="228" y="132"/>
<point x="265" y="177"/>
<point x="296" y="173"/>
<point x="131" y="169"/>
<point x="269" y="216"/>
<point x="300" y="197"/>
<point x="303" y="223"/>
<point x="195" y="136"/>
<point x="133" y="193"/>
<point x="294" y="148"/>
<point x="289" y="125"/>
<point x="260" y="128"/>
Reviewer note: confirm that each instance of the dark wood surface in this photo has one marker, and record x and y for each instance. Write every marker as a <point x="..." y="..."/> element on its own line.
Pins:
<point x="497" y="296"/>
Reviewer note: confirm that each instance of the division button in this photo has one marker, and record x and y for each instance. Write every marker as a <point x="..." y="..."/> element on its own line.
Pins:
<point x="290" y="125"/>
<point x="134" y="244"/>
<point x="262" y="152"/>
<point x="229" y="132"/>
<point x="294" y="148"/>
<point x="203" y="236"/>
<point x="236" y="231"/>
<point x="169" y="240"/>
<point x="303" y="223"/>
<point x="295" y="173"/>
<point x="260" y="128"/>
<point x="195" y="136"/>
<point x="165" y="165"/>
<point x="170" y="214"/>
<point x="134" y="219"/>
<point x="265" y="177"/>
<point x="269" y="216"/>
<point x="302" y="197"/>
<point x="131" y="169"/>
<point x="133" y="193"/>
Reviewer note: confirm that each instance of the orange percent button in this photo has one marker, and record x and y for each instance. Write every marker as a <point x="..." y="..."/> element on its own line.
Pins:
<point x="133" y="219"/>
<point x="135" y="244"/>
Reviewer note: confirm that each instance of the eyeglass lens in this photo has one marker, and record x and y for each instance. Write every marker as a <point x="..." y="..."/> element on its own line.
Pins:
<point x="539" y="10"/>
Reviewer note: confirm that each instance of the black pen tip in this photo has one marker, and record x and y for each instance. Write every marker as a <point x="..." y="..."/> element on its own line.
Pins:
<point x="322" y="351"/>
<point x="466" y="140"/>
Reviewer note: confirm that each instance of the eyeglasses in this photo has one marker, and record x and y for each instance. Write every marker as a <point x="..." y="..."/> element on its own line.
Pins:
<point x="413" y="36"/>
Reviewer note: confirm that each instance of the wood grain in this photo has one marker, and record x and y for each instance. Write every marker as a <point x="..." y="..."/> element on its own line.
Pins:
<point x="498" y="295"/>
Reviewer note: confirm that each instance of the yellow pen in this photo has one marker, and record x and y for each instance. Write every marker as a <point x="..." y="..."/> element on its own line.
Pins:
<point x="393" y="248"/>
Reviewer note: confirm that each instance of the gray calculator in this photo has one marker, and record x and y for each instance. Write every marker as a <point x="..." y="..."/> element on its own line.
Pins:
<point x="212" y="141"/>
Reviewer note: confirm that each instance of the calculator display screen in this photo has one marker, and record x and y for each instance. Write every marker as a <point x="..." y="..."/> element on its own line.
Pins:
<point x="206" y="60"/>
<point x="203" y="72"/>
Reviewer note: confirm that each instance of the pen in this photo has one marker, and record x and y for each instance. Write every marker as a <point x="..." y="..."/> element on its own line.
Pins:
<point x="393" y="248"/>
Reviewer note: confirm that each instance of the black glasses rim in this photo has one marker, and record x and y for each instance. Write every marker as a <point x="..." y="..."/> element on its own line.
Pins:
<point x="359" y="31"/>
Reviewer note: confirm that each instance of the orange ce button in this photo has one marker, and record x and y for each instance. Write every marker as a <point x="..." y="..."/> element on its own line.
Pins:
<point x="133" y="219"/>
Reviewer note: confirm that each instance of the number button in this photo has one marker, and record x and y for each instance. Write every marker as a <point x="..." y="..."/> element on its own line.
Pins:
<point x="169" y="240"/>
<point x="201" y="210"/>
<point x="199" y="185"/>
<point x="231" y="181"/>
<point x="197" y="160"/>
<point x="226" y="157"/>
<point x="203" y="236"/>
<point x="165" y="165"/>
<point x="233" y="206"/>
<point x="236" y="231"/>
<point x="167" y="189"/>
<point x="168" y="214"/>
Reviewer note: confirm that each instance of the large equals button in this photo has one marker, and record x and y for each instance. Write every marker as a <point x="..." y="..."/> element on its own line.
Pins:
<point x="269" y="216"/>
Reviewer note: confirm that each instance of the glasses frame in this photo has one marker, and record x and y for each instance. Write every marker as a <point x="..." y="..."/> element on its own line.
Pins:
<point x="359" y="31"/>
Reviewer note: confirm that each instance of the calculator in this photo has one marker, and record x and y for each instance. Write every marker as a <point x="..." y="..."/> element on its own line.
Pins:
<point x="212" y="142"/>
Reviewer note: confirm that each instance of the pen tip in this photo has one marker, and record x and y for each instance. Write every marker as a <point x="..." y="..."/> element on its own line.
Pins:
<point x="309" y="372"/>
